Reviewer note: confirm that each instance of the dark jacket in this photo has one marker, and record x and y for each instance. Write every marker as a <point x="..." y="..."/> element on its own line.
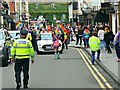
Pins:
<point x="80" y="31"/>
<point x="107" y="37"/>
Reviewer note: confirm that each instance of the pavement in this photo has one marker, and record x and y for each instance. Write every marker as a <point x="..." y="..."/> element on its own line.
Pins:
<point x="108" y="62"/>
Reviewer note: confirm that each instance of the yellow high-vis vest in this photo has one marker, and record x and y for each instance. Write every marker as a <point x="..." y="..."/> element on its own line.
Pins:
<point x="94" y="43"/>
<point x="22" y="48"/>
<point x="29" y="37"/>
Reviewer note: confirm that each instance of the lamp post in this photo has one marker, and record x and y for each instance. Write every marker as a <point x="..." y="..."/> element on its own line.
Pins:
<point x="115" y="5"/>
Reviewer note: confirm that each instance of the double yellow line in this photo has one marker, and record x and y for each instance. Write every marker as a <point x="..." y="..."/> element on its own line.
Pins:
<point x="85" y="57"/>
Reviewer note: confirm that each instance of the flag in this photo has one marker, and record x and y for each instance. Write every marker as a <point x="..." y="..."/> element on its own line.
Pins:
<point x="64" y="30"/>
<point x="19" y="25"/>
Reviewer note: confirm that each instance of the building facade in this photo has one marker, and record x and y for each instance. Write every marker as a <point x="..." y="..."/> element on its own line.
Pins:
<point x="95" y="12"/>
<point x="12" y="11"/>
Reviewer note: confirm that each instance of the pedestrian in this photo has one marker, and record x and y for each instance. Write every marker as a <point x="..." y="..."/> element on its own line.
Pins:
<point x="86" y="35"/>
<point x="89" y="27"/>
<point x="34" y="37"/>
<point x="80" y="34"/>
<point x="77" y="36"/>
<point x="56" y="45"/>
<point x="71" y="34"/>
<point x="101" y="37"/>
<point x="62" y="39"/>
<point x="21" y="52"/>
<point x="94" y="43"/>
<point x="66" y="40"/>
<point x="117" y="44"/>
<point x="107" y="38"/>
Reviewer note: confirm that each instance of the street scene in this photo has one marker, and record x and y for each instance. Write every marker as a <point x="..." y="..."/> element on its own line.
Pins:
<point x="66" y="44"/>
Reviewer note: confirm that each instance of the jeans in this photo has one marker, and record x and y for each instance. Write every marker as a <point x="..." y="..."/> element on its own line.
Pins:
<point x="93" y="55"/>
<point x="86" y="43"/>
<point x="117" y="49"/>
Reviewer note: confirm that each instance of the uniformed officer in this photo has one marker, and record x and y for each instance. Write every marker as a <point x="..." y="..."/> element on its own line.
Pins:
<point x="94" y="43"/>
<point x="21" y="52"/>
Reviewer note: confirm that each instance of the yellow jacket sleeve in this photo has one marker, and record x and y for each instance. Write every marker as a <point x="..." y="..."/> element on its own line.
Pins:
<point x="13" y="50"/>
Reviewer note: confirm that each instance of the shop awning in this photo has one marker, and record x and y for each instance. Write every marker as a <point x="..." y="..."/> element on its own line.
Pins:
<point x="102" y="17"/>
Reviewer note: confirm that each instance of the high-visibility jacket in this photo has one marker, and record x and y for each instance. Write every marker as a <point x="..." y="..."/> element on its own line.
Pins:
<point x="65" y="36"/>
<point x="29" y="37"/>
<point x="22" y="48"/>
<point x="94" y="43"/>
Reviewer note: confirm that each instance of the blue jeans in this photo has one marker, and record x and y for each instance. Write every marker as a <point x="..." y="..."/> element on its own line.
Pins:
<point x="86" y="42"/>
<point x="93" y="55"/>
<point x="117" y="49"/>
<point x="102" y="44"/>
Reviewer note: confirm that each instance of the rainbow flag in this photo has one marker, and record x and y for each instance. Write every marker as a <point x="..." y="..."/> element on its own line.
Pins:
<point x="63" y="28"/>
<point x="19" y="25"/>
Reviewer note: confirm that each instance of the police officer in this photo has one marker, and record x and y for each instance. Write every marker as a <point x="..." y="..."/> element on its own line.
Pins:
<point x="94" y="43"/>
<point x="21" y="52"/>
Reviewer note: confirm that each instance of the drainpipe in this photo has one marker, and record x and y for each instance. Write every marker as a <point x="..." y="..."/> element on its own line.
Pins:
<point x="20" y="10"/>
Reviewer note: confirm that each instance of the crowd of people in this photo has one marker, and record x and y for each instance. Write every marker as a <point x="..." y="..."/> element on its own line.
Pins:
<point x="103" y="33"/>
<point x="81" y="34"/>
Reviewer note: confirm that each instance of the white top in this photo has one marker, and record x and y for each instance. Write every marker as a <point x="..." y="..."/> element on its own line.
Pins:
<point x="101" y="34"/>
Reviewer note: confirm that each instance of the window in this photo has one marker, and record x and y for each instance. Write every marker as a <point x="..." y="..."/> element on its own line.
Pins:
<point x="46" y="37"/>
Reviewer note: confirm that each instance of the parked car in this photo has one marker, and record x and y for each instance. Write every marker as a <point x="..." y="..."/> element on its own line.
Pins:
<point x="45" y="43"/>
<point x="5" y="45"/>
<point x="15" y="34"/>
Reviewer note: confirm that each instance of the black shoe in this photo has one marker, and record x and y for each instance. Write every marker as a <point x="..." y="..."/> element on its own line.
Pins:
<point x="98" y="60"/>
<point x="25" y="86"/>
<point x="18" y="86"/>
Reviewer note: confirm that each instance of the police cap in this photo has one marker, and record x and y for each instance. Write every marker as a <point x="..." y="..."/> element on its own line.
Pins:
<point x="23" y="32"/>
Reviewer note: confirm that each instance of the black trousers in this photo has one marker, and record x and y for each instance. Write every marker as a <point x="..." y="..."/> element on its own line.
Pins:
<point x="108" y="47"/>
<point x="22" y="65"/>
<point x="79" y="38"/>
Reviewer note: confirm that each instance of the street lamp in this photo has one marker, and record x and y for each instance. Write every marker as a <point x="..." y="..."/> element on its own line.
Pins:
<point x="115" y="5"/>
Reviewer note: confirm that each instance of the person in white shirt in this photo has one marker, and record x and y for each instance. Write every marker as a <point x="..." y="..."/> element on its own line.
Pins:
<point x="101" y="33"/>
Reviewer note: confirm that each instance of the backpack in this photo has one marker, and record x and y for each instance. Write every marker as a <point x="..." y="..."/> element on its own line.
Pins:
<point x="86" y="33"/>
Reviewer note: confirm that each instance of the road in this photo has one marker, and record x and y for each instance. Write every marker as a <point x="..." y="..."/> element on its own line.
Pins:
<point x="71" y="71"/>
